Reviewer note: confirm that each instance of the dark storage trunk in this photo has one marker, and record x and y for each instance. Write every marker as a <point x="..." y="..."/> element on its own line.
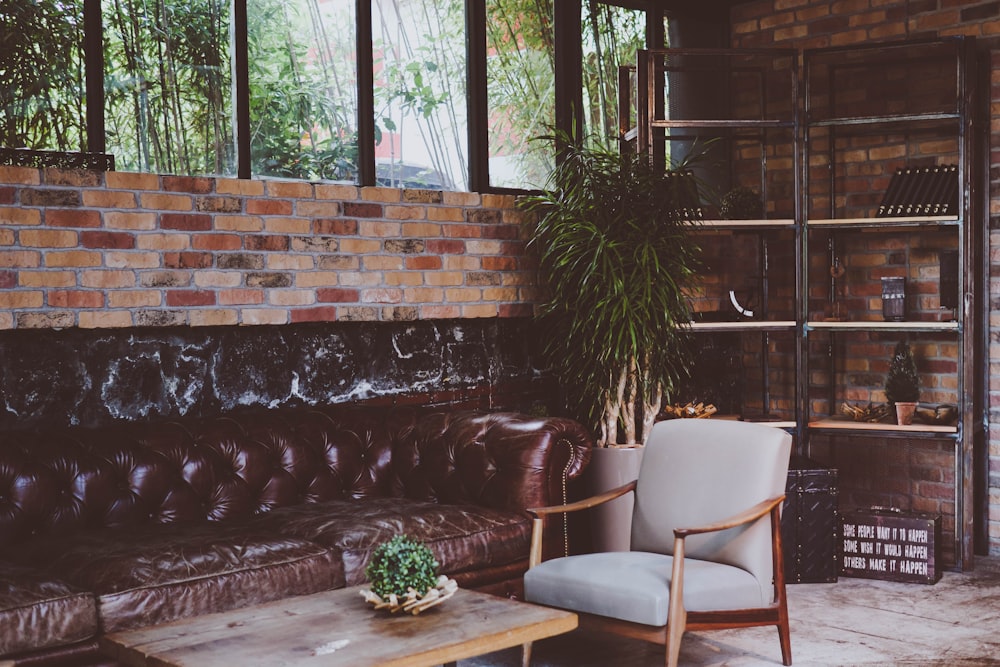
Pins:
<point x="810" y="523"/>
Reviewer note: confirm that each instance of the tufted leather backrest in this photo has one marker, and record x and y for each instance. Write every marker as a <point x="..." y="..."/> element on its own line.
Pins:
<point x="246" y="464"/>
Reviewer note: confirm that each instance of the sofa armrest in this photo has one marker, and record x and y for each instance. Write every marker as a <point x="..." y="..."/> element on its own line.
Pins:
<point x="506" y="461"/>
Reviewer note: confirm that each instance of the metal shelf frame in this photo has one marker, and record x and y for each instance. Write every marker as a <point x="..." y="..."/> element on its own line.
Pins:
<point x="970" y="315"/>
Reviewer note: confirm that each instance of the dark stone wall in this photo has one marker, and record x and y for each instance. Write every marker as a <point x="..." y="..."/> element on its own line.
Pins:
<point x="92" y="377"/>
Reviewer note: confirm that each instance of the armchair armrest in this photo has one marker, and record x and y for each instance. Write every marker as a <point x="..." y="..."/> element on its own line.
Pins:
<point x="539" y="514"/>
<point x="751" y="514"/>
<point x="585" y="503"/>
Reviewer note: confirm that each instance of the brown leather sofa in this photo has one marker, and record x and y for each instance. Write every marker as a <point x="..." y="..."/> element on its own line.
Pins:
<point x="137" y="524"/>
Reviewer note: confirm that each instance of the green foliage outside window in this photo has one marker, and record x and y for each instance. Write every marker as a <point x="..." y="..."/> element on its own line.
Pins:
<point x="41" y="74"/>
<point x="169" y="87"/>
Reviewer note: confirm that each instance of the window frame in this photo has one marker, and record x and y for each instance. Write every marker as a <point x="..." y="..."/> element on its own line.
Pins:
<point x="569" y="117"/>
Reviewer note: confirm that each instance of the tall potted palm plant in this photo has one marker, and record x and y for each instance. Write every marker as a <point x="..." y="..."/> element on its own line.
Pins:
<point x="611" y="232"/>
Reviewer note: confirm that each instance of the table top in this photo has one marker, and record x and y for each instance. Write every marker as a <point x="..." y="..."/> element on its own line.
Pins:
<point x="339" y="628"/>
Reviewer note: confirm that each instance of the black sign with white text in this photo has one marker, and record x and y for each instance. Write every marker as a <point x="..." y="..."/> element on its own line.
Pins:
<point x="891" y="544"/>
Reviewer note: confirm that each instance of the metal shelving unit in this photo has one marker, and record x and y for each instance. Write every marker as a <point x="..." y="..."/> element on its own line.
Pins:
<point x="753" y="113"/>
<point x="833" y="129"/>
<point x="815" y="102"/>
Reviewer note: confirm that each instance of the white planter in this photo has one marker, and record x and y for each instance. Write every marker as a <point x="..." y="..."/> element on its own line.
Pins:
<point x="611" y="523"/>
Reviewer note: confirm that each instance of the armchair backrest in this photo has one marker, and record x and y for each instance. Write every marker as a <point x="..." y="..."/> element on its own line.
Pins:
<point x="698" y="471"/>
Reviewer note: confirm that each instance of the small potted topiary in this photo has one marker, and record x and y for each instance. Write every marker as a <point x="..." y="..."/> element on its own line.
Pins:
<point x="403" y="577"/>
<point x="902" y="384"/>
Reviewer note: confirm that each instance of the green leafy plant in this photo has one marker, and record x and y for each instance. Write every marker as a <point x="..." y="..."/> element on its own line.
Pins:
<point x="615" y="258"/>
<point x="400" y="564"/>
<point x="902" y="384"/>
<point x="742" y="204"/>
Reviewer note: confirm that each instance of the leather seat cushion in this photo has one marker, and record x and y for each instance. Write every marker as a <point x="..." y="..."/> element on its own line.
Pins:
<point x="157" y="573"/>
<point x="462" y="537"/>
<point x="635" y="585"/>
<point x="38" y="612"/>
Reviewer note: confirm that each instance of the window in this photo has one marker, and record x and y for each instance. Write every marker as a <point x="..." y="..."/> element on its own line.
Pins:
<point x="520" y="80"/>
<point x="167" y="82"/>
<point x="303" y="89"/>
<point x="419" y="57"/>
<point x="312" y="102"/>
<point x="611" y="37"/>
<point x="41" y="80"/>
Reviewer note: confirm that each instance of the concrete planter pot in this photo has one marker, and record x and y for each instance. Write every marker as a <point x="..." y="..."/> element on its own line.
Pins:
<point x="611" y="523"/>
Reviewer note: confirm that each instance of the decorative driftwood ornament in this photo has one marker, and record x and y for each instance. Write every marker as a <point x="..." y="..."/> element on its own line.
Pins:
<point x="872" y="413"/>
<point x="688" y="411"/>
<point x="414" y="602"/>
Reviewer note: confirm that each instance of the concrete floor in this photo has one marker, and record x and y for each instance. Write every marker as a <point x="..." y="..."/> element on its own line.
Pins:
<point x="954" y="623"/>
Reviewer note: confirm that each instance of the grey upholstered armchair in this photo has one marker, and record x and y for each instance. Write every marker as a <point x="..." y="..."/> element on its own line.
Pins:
<point x="706" y="540"/>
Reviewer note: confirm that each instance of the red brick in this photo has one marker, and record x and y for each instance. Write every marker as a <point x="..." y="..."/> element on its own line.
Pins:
<point x="500" y="263"/>
<point x="362" y="209"/>
<point x="62" y="217"/>
<point x="193" y="184"/>
<point x="232" y="297"/>
<point x="191" y="222"/>
<point x="48" y="238"/>
<point x="463" y="231"/>
<point x="187" y="260"/>
<point x="322" y="314"/>
<point x="216" y="242"/>
<point x="501" y="232"/>
<point x="440" y="247"/>
<point x="338" y="227"/>
<point x="484" y="216"/>
<point x="276" y="243"/>
<point x="75" y="299"/>
<point x="8" y="279"/>
<point x="80" y="178"/>
<point x="38" y="197"/>
<point x="7" y="195"/>
<point x="107" y="240"/>
<point x="190" y="298"/>
<point x="338" y="295"/>
<point x="269" y="207"/>
<point x="423" y="263"/>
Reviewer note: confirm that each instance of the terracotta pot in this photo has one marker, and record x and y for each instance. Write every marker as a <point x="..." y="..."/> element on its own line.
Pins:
<point x="904" y="413"/>
<point x="611" y="523"/>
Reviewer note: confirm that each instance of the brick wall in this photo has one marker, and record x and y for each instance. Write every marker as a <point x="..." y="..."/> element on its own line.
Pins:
<point x="810" y="24"/>
<point x="95" y="250"/>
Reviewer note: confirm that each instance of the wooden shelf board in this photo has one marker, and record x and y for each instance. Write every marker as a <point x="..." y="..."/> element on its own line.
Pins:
<point x="847" y="424"/>
<point x="884" y="222"/>
<point x="880" y="120"/>
<point x="777" y="424"/>
<point x="877" y="325"/>
<point x="744" y="325"/>
<point x="777" y="223"/>
<point x="723" y="123"/>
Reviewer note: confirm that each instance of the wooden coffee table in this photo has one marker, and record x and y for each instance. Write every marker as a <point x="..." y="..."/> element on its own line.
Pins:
<point x="339" y="628"/>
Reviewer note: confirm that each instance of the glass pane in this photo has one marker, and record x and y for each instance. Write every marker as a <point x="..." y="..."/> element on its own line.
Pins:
<point x="611" y="37"/>
<point x="168" y="102"/>
<point x="41" y="75"/>
<point x="421" y="136"/>
<point x="520" y="75"/>
<point x="303" y="89"/>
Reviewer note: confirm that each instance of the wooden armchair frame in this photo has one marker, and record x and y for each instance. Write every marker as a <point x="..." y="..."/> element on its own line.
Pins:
<point x="680" y="620"/>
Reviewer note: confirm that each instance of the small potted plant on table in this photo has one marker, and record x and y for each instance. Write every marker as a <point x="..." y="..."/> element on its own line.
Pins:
<point x="403" y="577"/>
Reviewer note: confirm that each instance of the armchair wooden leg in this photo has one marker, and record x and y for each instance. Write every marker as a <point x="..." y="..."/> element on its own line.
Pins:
<point x="526" y="654"/>
<point x="784" y="633"/>
<point x="676" y="613"/>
